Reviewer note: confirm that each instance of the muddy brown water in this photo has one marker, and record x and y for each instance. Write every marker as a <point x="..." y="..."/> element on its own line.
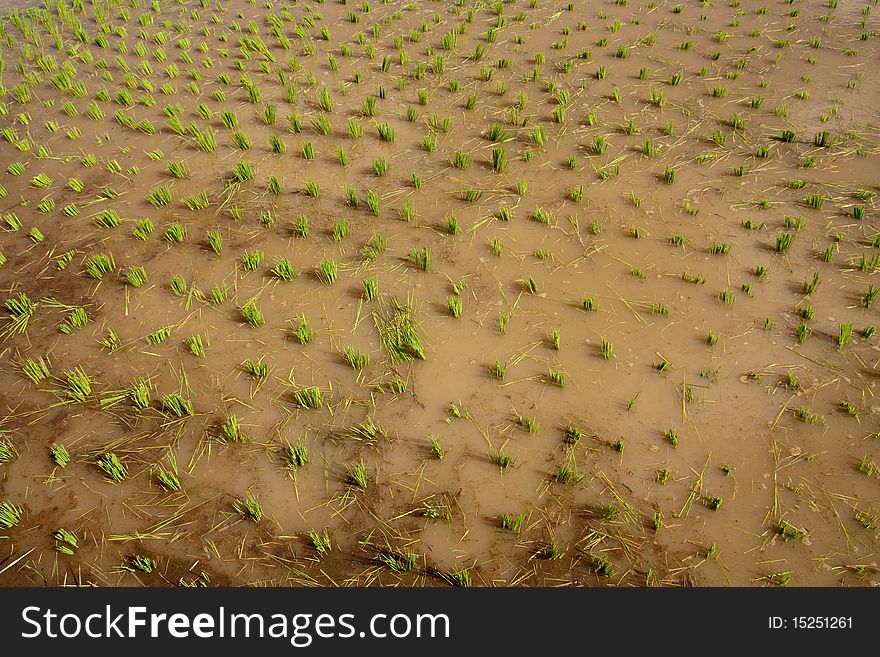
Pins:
<point x="791" y="471"/>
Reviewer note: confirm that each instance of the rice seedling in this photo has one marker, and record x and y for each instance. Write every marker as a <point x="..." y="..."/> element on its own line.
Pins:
<point x="607" y="349"/>
<point x="249" y="508"/>
<point x="500" y="459"/>
<point x="805" y="415"/>
<point x="67" y="541"/>
<point x="10" y="514"/>
<point x="870" y="296"/>
<point x="160" y="196"/>
<point x="327" y="271"/>
<point x="242" y="172"/>
<point x="557" y="377"/>
<point x="251" y="314"/>
<point x="355" y="358"/>
<point x="231" y="429"/>
<point x="811" y="285"/>
<point x="844" y="334"/>
<point x="296" y="456"/>
<point x="321" y="542"/>
<point x="784" y="242"/>
<point x="357" y="475"/>
<point x="309" y="397"/>
<point x="98" y="265"/>
<point x="175" y="234"/>
<point x="312" y="188"/>
<point x="112" y="467"/>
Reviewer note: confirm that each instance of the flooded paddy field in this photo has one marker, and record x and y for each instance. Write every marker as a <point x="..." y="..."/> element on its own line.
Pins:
<point x="520" y="293"/>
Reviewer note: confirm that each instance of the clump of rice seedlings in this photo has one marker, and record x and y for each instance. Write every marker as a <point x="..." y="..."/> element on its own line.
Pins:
<point x="160" y="196"/>
<point x="357" y="475"/>
<point x="784" y="242"/>
<point x="277" y="145"/>
<point x="198" y="201"/>
<point x="811" y="285"/>
<point x="75" y="320"/>
<point x="111" y="342"/>
<point x="726" y="297"/>
<point x="849" y="408"/>
<point x="355" y="358"/>
<point x="557" y="377"/>
<point x="309" y="397"/>
<point x="844" y="335"/>
<point x="252" y="260"/>
<point x="177" y="405"/>
<point x="215" y="241"/>
<point x="6" y="451"/>
<point x="249" y="508"/>
<point x="867" y="465"/>
<point x="168" y="477"/>
<point x="99" y="264"/>
<point x="719" y="248"/>
<point x="321" y="542"/>
<point x="136" y="276"/>
<point x="79" y="385"/>
<point x="67" y="541"/>
<point x="815" y="200"/>
<point x="397" y="332"/>
<point x="10" y="514"/>
<point x="138" y="393"/>
<point x="870" y="296"/>
<point x="196" y="345"/>
<point x="21" y="309"/>
<point x="231" y="429"/>
<point x="386" y="132"/>
<point x="177" y="169"/>
<point x="327" y="271"/>
<point x="805" y="415"/>
<point x="380" y="167"/>
<point x="295" y="456"/>
<point x="436" y="448"/>
<point x="590" y="305"/>
<point x="303" y="331"/>
<point x="607" y="349"/>
<point x="143" y="229"/>
<point x="178" y="285"/>
<point x="176" y="233"/>
<point x="455" y="306"/>
<point x="140" y="563"/>
<point x="531" y="285"/>
<point x="258" y="369"/>
<point x="284" y="271"/>
<point x="113" y="468"/>
<point x="242" y="172"/>
<point x="569" y="474"/>
<point x="452" y="225"/>
<point x="339" y="231"/>
<point x="822" y="139"/>
<point x="421" y="258"/>
<point x="500" y="459"/>
<point x="158" y="336"/>
<point x="35" y="370"/>
<point x="669" y="175"/>
<point x="251" y="314"/>
<point x="312" y="188"/>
